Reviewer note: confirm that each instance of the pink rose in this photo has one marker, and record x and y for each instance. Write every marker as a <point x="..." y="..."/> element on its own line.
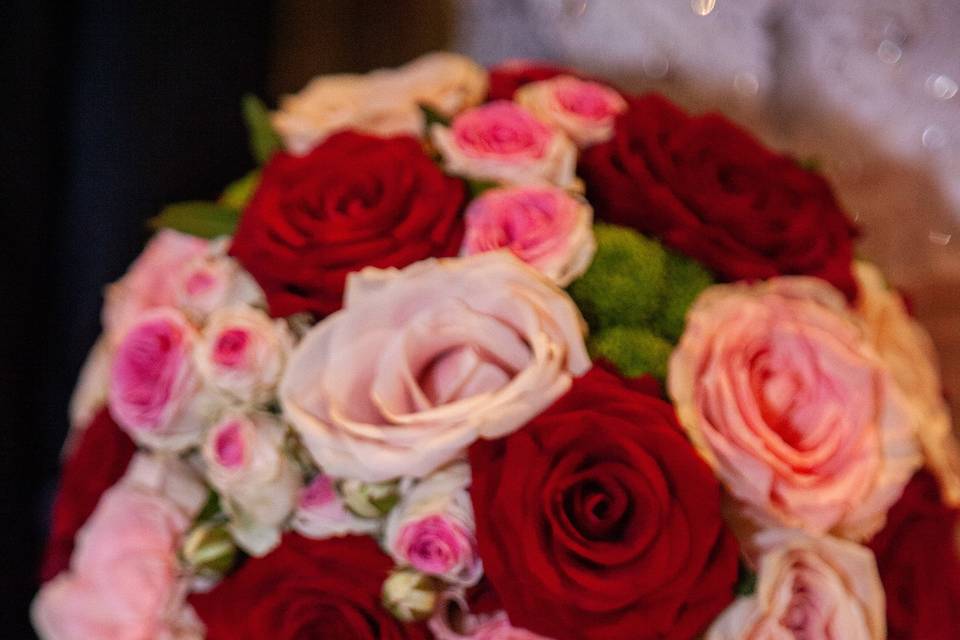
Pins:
<point x="503" y="142"/>
<point x="321" y="513"/>
<point x="432" y="529"/>
<point x="584" y="110"/>
<point x="422" y="361"/>
<point x="779" y="389"/>
<point x="808" y="588"/>
<point x="453" y="621"/>
<point x="124" y="581"/>
<point x="908" y="351"/>
<point x="154" y="391"/>
<point x="215" y="280"/>
<point x="544" y="226"/>
<point x="242" y="352"/>
<point x="245" y="462"/>
<point x="150" y="281"/>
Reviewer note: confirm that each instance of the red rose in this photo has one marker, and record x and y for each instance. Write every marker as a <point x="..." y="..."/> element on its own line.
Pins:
<point x="98" y="462"/>
<point x="710" y="190"/>
<point x="354" y="201"/>
<point x="919" y="564"/>
<point x="306" y="589"/>
<point x="509" y="76"/>
<point x="598" y="520"/>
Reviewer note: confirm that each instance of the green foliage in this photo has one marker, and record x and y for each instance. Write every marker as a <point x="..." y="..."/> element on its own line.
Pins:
<point x="198" y="218"/>
<point x="746" y="580"/>
<point x="264" y="141"/>
<point x="432" y="116"/>
<point x="238" y="193"/>
<point x="476" y="187"/>
<point x="635" y="296"/>
<point x="635" y="351"/>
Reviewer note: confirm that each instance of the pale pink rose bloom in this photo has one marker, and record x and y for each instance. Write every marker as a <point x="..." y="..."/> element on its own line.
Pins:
<point x="245" y="462"/>
<point x="503" y="142"/>
<point x="584" y="110"/>
<point x="780" y="390"/>
<point x="432" y="528"/>
<point x="154" y="391"/>
<point x="124" y="580"/>
<point x="809" y="588"/>
<point x="321" y="513"/>
<point x="908" y="350"/>
<point x="544" y="226"/>
<point x="422" y="361"/>
<point x="452" y="621"/>
<point x="374" y="103"/>
<point x="149" y="282"/>
<point x="215" y="280"/>
<point x="241" y="354"/>
<point x="446" y="82"/>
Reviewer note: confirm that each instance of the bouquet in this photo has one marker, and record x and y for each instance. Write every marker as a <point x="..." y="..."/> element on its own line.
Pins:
<point x="505" y="355"/>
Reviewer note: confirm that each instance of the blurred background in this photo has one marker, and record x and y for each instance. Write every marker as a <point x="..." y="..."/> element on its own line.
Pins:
<point x="116" y="108"/>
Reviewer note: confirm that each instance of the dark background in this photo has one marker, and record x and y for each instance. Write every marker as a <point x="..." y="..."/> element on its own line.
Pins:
<point x="112" y="109"/>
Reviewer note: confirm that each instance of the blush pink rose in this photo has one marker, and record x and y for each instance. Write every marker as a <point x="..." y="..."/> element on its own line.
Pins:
<point x="780" y="390"/>
<point x="584" y="110"/>
<point x="422" y="361"/>
<point x="503" y="142"/>
<point x="808" y="588"/>
<point x="154" y="391"/>
<point x="432" y="529"/>
<point x="213" y="281"/>
<point x="150" y="281"/>
<point x="124" y="581"/>
<point x="544" y="226"/>
<point x="322" y="513"/>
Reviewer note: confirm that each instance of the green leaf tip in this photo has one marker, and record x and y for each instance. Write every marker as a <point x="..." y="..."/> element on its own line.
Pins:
<point x="264" y="141"/>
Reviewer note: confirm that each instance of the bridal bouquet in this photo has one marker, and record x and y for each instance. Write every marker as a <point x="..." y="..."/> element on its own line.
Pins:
<point x="506" y="355"/>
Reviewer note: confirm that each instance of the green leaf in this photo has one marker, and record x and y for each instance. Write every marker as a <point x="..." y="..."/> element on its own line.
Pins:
<point x="238" y="193"/>
<point x="813" y="164"/>
<point x="198" y="218"/>
<point x="746" y="581"/>
<point x="476" y="187"/>
<point x="431" y="116"/>
<point x="264" y="141"/>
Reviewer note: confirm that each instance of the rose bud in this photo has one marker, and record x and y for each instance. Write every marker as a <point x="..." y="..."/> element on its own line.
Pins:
<point x="410" y="595"/>
<point x="583" y="110"/>
<point x="370" y="499"/>
<point x="209" y="550"/>
<point x="321" y="512"/>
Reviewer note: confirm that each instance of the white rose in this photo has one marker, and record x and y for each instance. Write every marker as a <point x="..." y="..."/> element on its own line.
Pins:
<point x="583" y="110"/>
<point x="245" y="463"/>
<point x="241" y="353"/>
<point x="422" y="361"/>
<point x="808" y="587"/>
<point x="214" y="280"/>
<point x="446" y="82"/>
<point x="432" y="529"/>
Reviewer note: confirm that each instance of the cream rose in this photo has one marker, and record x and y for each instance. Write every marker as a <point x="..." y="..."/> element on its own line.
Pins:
<point x="241" y="354"/>
<point x="432" y="529"/>
<point x="503" y="142"/>
<point x="781" y="392"/>
<point x="374" y="103"/>
<point x="809" y="588"/>
<point x="446" y="82"/>
<point x="584" y="110"/>
<point x="544" y="226"/>
<point x="422" y="361"/>
<point x="907" y="349"/>
<point x="124" y="580"/>
<point x="245" y="463"/>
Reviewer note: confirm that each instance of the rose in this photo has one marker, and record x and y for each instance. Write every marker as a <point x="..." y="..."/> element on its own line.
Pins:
<point x="503" y="142"/>
<point x="98" y="460"/>
<point x="321" y="513"/>
<point x="452" y="621"/>
<point x="544" y="226"/>
<point x="354" y="201"/>
<point x="584" y="110"/>
<point x="150" y="281"/>
<point x="432" y="529"/>
<point x="241" y="353"/>
<point x="306" y="589"/>
<point x="124" y="581"/>
<point x="423" y="361"/>
<point x="373" y="103"/>
<point x="154" y="390"/>
<point x="246" y="465"/>
<point x="446" y="82"/>
<point x="709" y="190"/>
<point x="918" y="555"/>
<point x="780" y="390"/>
<point x="510" y="75"/>
<point x="598" y="519"/>
<point x="214" y="280"/>
<point x="908" y="351"/>
<point x="808" y="587"/>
